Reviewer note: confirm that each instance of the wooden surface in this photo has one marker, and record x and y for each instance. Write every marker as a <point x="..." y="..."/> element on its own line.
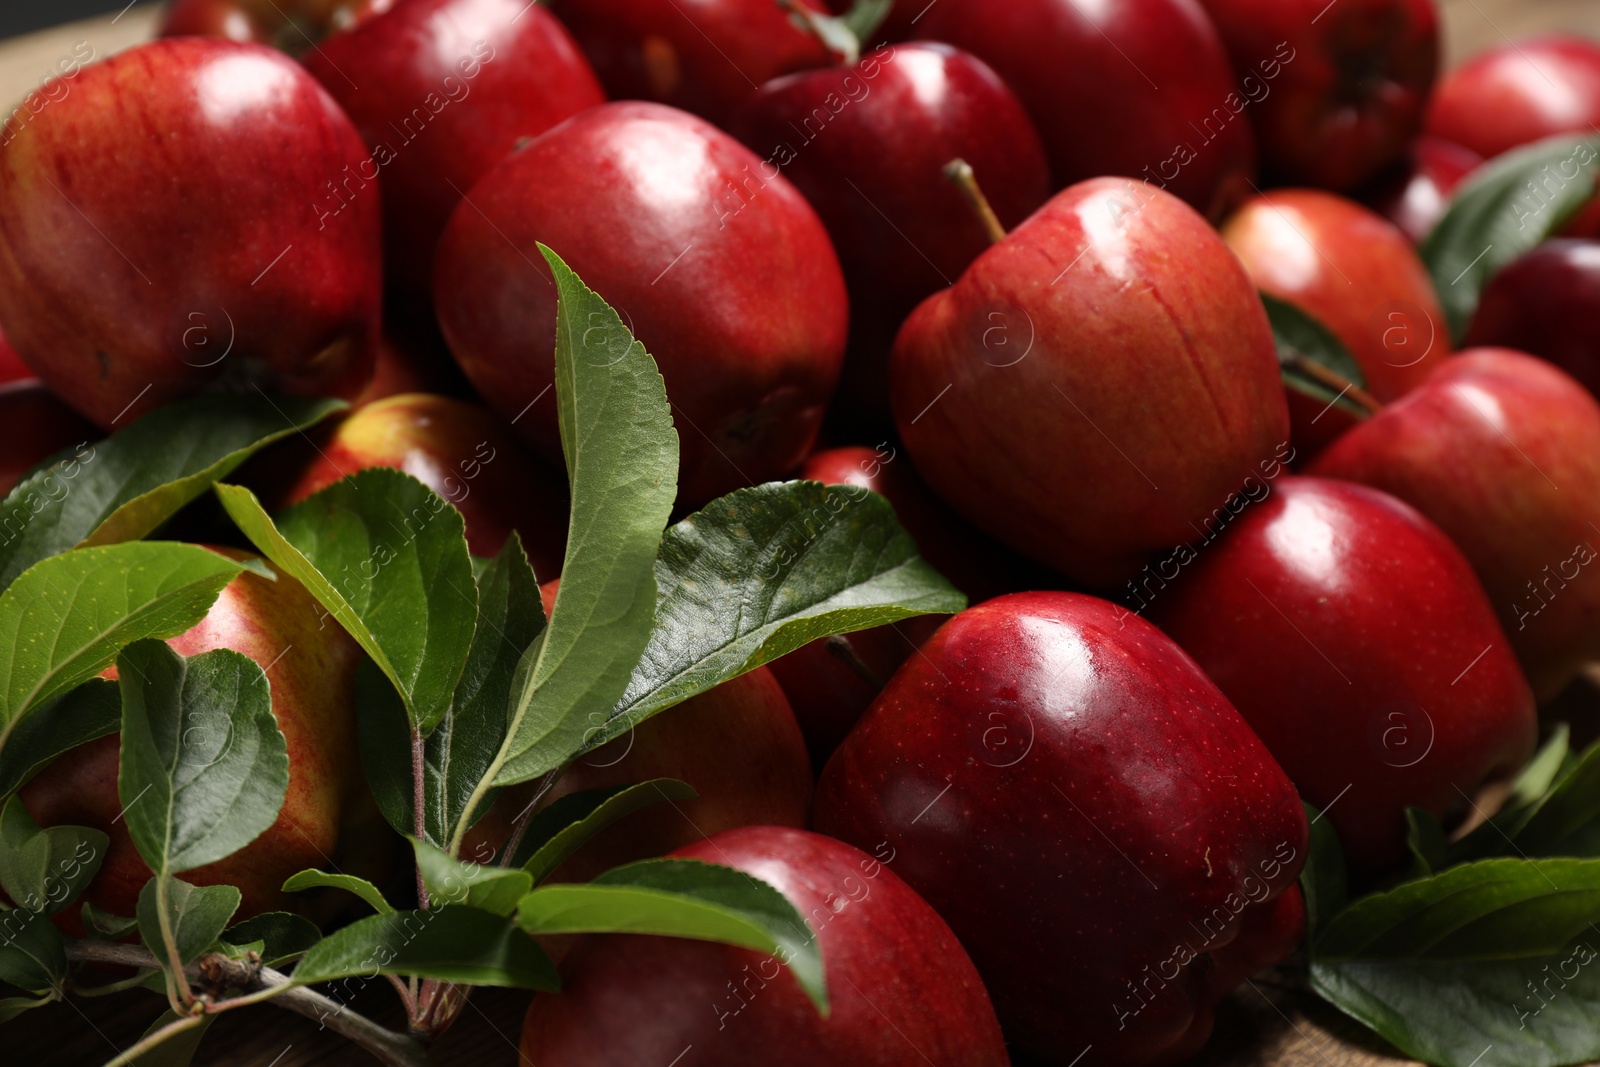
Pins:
<point x="1266" y="1024"/>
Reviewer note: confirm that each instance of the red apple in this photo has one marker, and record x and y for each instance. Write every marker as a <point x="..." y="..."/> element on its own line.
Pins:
<point x="290" y="25"/>
<point x="36" y="425"/>
<point x="1130" y="87"/>
<point x="1096" y="384"/>
<point x="1502" y="451"/>
<point x="706" y="56"/>
<point x="1063" y="784"/>
<point x="12" y="369"/>
<point x="1519" y="92"/>
<point x="867" y="145"/>
<point x="1358" y="643"/>
<point x="412" y="360"/>
<point x="457" y="449"/>
<point x="1356" y="274"/>
<point x="901" y="989"/>
<point x="310" y="664"/>
<point x="1545" y="302"/>
<point x="1415" y="194"/>
<point x="158" y="233"/>
<point x="442" y="90"/>
<point x="711" y="257"/>
<point x="1335" y="92"/>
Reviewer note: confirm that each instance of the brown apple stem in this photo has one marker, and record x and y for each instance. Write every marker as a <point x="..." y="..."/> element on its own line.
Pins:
<point x="261" y="984"/>
<point x="959" y="171"/>
<point x="1332" y="379"/>
<point x="419" y="811"/>
<point x="840" y="648"/>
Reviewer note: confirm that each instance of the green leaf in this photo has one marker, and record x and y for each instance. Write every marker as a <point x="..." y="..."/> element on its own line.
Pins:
<point x="387" y="557"/>
<point x="312" y="879"/>
<point x="276" y="936"/>
<point x="195" y="916"/>
<point x="453" y="944"/>
<point x="11" y="1007"/>
<point x="177" y="1050"/>
<point x="865" y="18"/>
<point x="104" y="926"/>
<point x="1302" y="336"/>
<point x="1498" y="909"/>
<point x="1505" y="208"/>
<point x="1525" y="1013"/>
<point x="45" y="870"/>
<point x="204" y="768"/>
<point x="65" y="619"/>
<point x="1553" y="810"/>
<point x="622" y="463"/>
<point x="762" y="571"/>
<point x="452" y="881"/>
<point x="123" y="488"/>
<point x="559" y="830"/>
<point x="1323" y="880"/>
<point x="92" y="710"/>
<point x="1425" y="842"/>
<point x="684" y="898"/>
<point x="32" y="956"/>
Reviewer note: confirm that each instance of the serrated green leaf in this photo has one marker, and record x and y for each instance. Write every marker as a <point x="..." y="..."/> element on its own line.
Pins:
<point x="622" y="463"/>
<point x="122" y="488"/>
<point x="452" y="881"/>
<point x="91" y="710"/>
<point x="684" y="898"/>
<point x="313" y="879"/>
<point x="276" y="936"/>
<point x="453" y="944"/>
<point x="204" y="768"/>
<point x="193" y="916"/>
<point x="762" y="571"/>
<point x="387" y="557"/>
<point x="45" y="870"/>
<point x="1505" y="208"/>
<point x="32" y="956"/>
<point x="559" y="830"/>
<point x="65" y="619"/>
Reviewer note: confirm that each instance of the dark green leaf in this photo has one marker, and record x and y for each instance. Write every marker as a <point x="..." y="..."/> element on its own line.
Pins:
<point x="452" y="881"/>
<point x="204" y="768"/>
<point x="103" y="925"/>
<point x="45" y="870"/>
<point x="276" y="936"/>
<point x="453" y="944"/>
<point x="762" y="571"/>
<point x="65" y="619"/>
<point x="1526" y="1013"/>
<point x="1425" y="842"/>
<point x="32" y="956"/>
<point x="865" y="18"/>
<point x="1553" y="810"/>
<point x="684" y="898"/>
<point x="123" y="488"/>
<point x="1498" y="909"/>
<point x="92" y="710"/>
<point x="387" y="557"/>
<point x="11" y="1007"/>
<point x="1323" y="880"/>
<point x="191" y="916"/>
<point x="1505" y="208"/>
<point x="560" y="829"/>
<point x="622" y="463"/>
<point x="1300" y="336"/>
<point x="298" y="883"/>
<point x="177" y="1050"/>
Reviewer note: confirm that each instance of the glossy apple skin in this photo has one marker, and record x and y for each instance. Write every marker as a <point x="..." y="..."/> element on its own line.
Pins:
<point x="1502" y="452"/>
<point x="900" y="986"/>
<point x="312" y="679"/>
<point x="457" y="449"/>
<point x="1346" y="97"/>
<point x="36" y="424"/>
<point x="1061" y="782"/>
<point x="1338" y="620"/>
<point x="1355" y="273"/>
<point x="737" y="295"/>
<point x="1415" y="194"/>
<point x="1518" y="93"/>
<point x="1545" y="302"/>
<point x="485" y="74"/>
<point x="1067" y="60"/>
<point x="1097" y="328"/>
<point x="703" y="56"/>
<point x="199" y="160"/>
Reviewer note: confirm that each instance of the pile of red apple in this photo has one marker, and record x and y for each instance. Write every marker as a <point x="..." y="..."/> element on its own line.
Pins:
<point x="1145" y="315"/>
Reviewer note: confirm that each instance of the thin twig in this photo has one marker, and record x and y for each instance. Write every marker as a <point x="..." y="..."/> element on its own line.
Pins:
<point x="419" y="794"/>
<point x="520" y="828"/>
<point x="154" y="1038"/>
<point x="1329" y="378"/>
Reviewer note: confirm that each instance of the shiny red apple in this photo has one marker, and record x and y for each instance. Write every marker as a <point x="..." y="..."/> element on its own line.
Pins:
<point x="159" y="235"/>
<point x="1360" y="646"/>
<point x="1096" y="384"/>
<point x="1519" y="92"/>
<point x="1062" y="783"/>
<point x="716" y="263"/>
<point x="442" y="90"/>
<point x="1545" y="302"/>
<point x="900" y="987"/>
<point x="1415" y="194"/>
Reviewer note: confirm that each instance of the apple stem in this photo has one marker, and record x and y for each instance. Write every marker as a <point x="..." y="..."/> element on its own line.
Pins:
<point x="524" y="817"/>
<point x="1332" y="379"/>
<point x="840" y="648"/>
<point x="959" y="172"/>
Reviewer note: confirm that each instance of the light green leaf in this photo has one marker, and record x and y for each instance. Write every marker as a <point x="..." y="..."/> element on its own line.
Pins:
<point x="194" y="916"/>
<point x="453" y="944"/>
<point x="452" y="881"/>
<point x="45" y="870"/>
<point x="559" y="830"/>
<point x="311" y="879"/>
<point x="92" y="710"/>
